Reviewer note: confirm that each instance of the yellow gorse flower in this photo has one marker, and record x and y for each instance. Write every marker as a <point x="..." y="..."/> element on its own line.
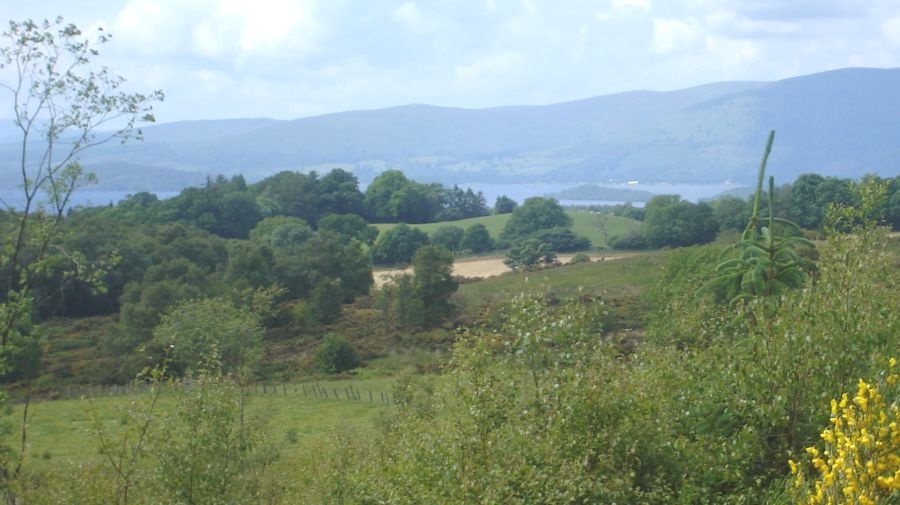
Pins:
<point x="860" y="463"/>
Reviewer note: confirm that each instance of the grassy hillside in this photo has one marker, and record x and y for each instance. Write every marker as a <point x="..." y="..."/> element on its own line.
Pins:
<point x="617" y="279"/>
<point x="583" y="223"/>
<point x="493" y="223"/>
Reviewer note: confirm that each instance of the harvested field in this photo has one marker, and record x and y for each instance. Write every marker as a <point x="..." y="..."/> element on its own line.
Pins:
<point x="484" y="266"/>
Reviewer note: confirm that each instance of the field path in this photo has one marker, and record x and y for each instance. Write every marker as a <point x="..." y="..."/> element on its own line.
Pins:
<point x="482" y="266"/>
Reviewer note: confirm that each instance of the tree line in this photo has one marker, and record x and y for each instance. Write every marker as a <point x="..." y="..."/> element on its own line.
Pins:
<point x="670" y="221"/>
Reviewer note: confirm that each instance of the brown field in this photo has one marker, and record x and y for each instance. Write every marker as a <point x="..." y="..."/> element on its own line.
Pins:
<point x="483" y="266"/>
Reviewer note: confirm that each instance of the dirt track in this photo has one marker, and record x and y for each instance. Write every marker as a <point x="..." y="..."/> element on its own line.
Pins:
<point x="484" y="266"/>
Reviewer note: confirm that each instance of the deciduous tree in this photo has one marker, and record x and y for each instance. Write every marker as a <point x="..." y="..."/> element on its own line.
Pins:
<point x="62" y="104"/>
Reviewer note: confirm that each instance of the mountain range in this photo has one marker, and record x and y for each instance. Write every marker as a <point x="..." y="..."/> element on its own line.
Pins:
<point x="842" y="123"/>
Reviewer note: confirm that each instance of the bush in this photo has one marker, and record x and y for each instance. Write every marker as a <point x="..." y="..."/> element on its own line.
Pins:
<point x="580" y="258"/>
<point x="633" y="240"/>
<point x="336" y="355"/>
<point x="563" y="240"/>
<point x="448" y="237"/>
<point x="326" y="300"/>
<point x="528" y="254"/>
<point x="477" y="239"/>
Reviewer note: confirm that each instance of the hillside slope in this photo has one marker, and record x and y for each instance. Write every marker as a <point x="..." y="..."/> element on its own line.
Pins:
<point x="840" y="123"/>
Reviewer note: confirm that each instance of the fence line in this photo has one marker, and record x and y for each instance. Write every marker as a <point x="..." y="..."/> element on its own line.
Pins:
<point x="305" y="389"/>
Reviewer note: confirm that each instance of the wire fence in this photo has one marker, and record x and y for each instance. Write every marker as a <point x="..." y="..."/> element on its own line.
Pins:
<point x="311" y="390"/>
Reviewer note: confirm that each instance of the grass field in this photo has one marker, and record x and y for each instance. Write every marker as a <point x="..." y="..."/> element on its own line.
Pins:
<point x="493" y="223"/>
<point x="61" y="430"/>
<point x="584" y="223"/>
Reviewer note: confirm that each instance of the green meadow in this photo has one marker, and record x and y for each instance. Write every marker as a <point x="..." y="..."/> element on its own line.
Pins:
<point x="596" y="227"/>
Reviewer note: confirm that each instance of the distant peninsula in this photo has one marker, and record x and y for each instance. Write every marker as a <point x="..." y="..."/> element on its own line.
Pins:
<point x="596" y="193"/>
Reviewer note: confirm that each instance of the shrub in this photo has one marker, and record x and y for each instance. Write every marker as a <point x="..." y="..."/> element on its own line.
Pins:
<point x="633" y="240"/>
<point x="448" y="237"/>
<point x="563" y="240"/>
<point x="326" y="300"/>
<point x="336" y="355"/>
<point x="580" y="258"/>
<point x="477" y="239"/>
<point x="528" y="254"/>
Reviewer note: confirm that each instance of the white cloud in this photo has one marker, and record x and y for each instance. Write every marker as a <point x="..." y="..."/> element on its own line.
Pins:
<point x="217" y="28"/>
<point x="258" y="27"/>
<point x="409" y="15"/>
<point x="492" y="68"/>
<point x="671" y="35"/>
<point x="147" y="26"/>
<point x="891" y="30"/>
<point x="729" y="54"/>
<point x="619" y="5"/>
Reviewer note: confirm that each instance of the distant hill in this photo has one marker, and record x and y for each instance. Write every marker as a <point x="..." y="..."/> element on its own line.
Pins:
<point x="842" y="123"/>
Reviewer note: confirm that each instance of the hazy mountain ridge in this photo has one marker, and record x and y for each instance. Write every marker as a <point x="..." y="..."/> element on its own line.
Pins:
<point x="841" y="123"/>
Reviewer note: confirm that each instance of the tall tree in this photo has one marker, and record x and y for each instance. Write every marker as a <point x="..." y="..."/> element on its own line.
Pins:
<point x="535" y="214"/>
<point x="434" y="282"/>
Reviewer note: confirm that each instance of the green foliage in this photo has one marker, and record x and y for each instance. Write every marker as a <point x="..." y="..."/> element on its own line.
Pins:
<point x="433" y="283"/>
<point x="335" y="355"/>
<point x="281" y="232"/>
<point x="767" y="259"/>
<point x="308" y="197"/>
<point x="757" y="390"/>
<point x="476" y="239"/>
<point x="392" y="198"/>
<point x="528" y="254"/>
<point x="448" y="237"/>
<point x="534" y="412"/>
<point x="421" y="300"/>
<point x="534" y="215"/>
<point x="398" y="245"/>
<point x="197" y="329"/>
<point x="223" y="207"/>
<point x="210" y="451"/>
<point x="349" y="226"/>
<point x="562" y="240"/>
<point x="249" y="265"/>
<point x="633" y="240"/>
<point x="504" y="205"/>
<point x="458" y="204"/>
<point x="326" y="300"/>
<point x="767" y="262"/>
<point x="731" y="213"/>
<point x="580" y="258"/>
<point x="324" y="256"/>
<point x="673" y="222"/>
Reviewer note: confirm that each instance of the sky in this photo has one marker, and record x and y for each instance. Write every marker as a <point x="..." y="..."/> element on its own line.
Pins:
<point x="285" y="59"/>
